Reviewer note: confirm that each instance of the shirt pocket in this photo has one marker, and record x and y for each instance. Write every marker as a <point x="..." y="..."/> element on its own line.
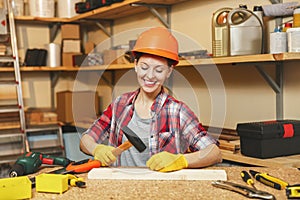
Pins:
<point x="167" y="142"/>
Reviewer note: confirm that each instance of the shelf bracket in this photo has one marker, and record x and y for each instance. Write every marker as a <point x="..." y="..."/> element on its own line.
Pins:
<point x="54" y="28"/>
<point x="111" y="83"/>
<point x="108" y="33"/>
<point x="276" y="85"/>
<point x="54" y="79"/>
<point x="166" y="22"/>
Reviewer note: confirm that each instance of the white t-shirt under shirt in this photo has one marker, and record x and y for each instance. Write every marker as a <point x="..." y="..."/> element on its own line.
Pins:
<point x="132" y="157"/>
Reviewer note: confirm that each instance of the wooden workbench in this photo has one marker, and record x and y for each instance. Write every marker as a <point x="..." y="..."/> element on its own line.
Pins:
<point x="136" y="189"/>
<point x="282" y="161"/>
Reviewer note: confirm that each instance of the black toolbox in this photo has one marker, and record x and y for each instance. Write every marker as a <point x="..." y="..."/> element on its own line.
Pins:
<point x="267" y="139"/>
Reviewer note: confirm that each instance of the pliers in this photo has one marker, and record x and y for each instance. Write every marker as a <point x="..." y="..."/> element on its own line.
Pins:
<point x="244" y="190"/>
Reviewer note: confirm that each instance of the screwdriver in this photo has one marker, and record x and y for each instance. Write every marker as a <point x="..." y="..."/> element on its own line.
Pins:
<point x="247" y="178"/>
<point x="269" y="180"/>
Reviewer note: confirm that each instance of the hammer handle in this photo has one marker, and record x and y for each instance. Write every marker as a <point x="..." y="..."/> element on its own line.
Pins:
<point x="123" y="147"/>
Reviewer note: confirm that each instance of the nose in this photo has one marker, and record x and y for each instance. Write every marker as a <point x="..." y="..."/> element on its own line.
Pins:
<point x="150" y="73"/>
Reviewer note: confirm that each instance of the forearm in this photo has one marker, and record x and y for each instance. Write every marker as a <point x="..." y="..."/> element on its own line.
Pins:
<point x="205" y="157"/>
<point x="87" y="144"/>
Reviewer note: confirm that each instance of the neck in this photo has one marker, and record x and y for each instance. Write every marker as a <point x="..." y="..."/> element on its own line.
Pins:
<point x="147" y="98"/>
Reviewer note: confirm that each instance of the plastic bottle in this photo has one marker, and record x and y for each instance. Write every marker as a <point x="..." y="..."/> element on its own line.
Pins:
<point x="287" y="26"/>
<point x="258" y="11"/>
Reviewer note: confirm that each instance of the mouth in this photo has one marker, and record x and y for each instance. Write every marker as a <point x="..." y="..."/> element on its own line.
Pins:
<point x="149" y="83"/>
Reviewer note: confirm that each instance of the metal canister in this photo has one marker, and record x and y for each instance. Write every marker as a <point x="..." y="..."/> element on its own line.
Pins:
<point x="220" y="32"/>
<point x="296" y="17"/>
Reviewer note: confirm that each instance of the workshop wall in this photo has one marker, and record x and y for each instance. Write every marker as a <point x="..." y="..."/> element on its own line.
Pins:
<point x="247" y="96"/>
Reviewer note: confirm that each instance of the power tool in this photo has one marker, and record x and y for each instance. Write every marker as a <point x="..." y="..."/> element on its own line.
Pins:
<point x="30" y="162"/>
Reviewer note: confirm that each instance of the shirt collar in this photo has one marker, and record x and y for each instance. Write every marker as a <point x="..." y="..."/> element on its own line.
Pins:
<point x="157" y="104"/>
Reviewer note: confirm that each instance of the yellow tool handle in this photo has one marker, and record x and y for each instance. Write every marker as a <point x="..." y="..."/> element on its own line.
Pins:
<point x="272" y="181"/>
<point x="247" y="178"/>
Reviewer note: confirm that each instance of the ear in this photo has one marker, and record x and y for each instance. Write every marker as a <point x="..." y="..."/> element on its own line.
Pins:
<point x="170" y="71"/>
<point x="135" y="67"/>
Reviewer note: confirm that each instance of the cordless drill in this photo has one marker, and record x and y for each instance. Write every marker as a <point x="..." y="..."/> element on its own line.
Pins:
<point x="30" y="162"/>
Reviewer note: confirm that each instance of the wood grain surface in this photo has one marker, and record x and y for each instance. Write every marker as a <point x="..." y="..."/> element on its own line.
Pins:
<point x="164" y="189"/>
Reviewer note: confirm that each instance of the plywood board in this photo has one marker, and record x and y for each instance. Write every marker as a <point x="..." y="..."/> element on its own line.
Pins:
<point x="146" y="174"/>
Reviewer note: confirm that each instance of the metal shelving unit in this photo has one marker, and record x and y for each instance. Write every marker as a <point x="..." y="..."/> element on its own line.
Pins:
<point x="13" y="140"/>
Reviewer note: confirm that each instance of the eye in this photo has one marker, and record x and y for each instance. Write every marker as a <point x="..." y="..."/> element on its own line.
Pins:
<point x="159" y="70"/>
<point x="144" y="67"/>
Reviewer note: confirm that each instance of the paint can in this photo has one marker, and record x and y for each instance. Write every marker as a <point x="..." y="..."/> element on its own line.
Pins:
<point x="278" y="42"/>
<point x="293" y="37"/>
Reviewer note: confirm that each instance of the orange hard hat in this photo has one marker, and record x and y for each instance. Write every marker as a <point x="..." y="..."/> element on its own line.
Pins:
<point x="157" y="41"/>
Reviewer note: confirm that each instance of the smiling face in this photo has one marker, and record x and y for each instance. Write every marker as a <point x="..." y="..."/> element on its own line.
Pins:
<point x="152" y="71"/>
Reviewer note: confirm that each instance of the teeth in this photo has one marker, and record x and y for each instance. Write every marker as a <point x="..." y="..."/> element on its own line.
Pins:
<point x="149" y="82"/>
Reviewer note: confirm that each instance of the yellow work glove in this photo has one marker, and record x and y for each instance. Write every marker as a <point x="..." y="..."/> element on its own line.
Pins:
<point x="104" y="154"/>
<point x="167" y="162"/>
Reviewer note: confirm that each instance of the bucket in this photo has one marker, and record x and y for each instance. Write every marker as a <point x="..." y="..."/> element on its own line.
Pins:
<point x="66" y="8"/>
<point x="42" y="8"/>
<point x="245" y="32"/>
<point x="220" y="32"/>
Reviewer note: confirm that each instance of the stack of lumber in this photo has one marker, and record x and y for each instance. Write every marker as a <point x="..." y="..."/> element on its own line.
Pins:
<point x="228" y="138"/>
<point x="40" y="116"/>
<point x="9" y="121"/>
<point x="2" y="50"/>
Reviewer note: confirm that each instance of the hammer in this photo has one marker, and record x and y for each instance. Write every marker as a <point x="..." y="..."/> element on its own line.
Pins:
<point x="133" y="140"/>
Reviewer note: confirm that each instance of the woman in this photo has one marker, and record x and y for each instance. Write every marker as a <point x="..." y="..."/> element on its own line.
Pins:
<point x="170" y="130"/>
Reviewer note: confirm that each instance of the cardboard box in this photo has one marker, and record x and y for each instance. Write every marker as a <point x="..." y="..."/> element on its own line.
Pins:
<point x="81" y="106"/>
<point x="70" y="31"/>
<point x="68" y="59"/>
<point x="114" y="56"/>
<point x="269" y="139"/>
<point x="89" y="47"/>
<point x="71" y="46"/>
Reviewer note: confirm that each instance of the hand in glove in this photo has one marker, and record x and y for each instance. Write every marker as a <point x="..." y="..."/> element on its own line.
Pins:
<point x="167" y="162"/>
<point x="104" y="154"/>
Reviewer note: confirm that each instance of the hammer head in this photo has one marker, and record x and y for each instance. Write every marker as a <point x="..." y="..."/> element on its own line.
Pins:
<point x="134" y="139"/>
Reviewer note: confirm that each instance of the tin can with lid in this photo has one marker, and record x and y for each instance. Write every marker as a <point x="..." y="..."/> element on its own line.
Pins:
<point x="296" y="17"/>
<point x="293" y="35"/>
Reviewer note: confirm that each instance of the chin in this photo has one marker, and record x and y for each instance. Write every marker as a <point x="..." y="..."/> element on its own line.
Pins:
<point x="150" y="89"/>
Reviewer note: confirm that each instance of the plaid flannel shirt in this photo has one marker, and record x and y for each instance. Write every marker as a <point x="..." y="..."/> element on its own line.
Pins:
<point x="174" y="127"/>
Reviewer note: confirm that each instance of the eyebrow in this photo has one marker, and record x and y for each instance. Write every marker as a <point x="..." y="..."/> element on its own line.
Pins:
<point x="160" y="65"/>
